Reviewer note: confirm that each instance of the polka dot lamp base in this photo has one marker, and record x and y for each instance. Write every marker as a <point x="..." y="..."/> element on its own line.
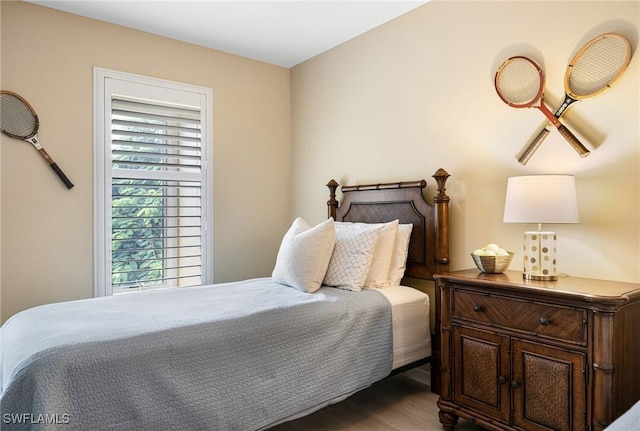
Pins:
<point x="539" y="256"/>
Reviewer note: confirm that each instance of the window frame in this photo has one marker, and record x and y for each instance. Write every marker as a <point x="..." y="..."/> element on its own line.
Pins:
<point x="103" y="80"/>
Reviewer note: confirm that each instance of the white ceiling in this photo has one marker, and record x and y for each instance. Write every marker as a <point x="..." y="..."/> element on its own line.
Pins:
<point x="284" y="33"/>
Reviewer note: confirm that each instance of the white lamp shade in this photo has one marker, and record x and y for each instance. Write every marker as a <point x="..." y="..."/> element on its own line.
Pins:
<point x="541" y="199"/>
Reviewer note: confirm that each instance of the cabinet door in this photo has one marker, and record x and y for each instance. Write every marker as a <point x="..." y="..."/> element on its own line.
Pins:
<point x="549" y="387"/>
<point x="481" y="371"/>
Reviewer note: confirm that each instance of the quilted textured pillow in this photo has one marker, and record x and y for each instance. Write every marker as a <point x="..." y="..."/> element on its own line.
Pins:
<point x="378" y="275"/>
<point x="352" y="257"/>
<point x="400" y="254"/>
<point x="304" y="255"/>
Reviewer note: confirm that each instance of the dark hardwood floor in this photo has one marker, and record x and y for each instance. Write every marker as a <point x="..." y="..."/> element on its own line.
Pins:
<point x="402" y="402"/>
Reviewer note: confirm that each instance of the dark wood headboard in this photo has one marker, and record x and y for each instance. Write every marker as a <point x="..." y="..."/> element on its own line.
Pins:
<point x="381" y="203"/>
<point x="429" y="243"/>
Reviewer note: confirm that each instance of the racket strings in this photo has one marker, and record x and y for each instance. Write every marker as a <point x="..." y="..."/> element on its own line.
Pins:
<point x="598" y="65"/>
<point x="16" y="118"/>
<point x="518" y="82"/>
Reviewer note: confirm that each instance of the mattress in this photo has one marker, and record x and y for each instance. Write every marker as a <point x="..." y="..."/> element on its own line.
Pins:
<point x="410" y="316"/>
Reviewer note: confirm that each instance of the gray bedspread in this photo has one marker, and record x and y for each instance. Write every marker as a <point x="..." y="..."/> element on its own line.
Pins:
<point x="628" y="421"/>
<point x="233" y="356"/>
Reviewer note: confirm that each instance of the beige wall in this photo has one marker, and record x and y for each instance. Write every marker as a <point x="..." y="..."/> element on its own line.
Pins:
<point x="417" y="94"/>
<point x="47" y="57"/>
<point x="395" y="104"/>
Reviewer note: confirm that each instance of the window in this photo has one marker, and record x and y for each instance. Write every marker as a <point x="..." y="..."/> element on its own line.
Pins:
<point x="152" y="186"/>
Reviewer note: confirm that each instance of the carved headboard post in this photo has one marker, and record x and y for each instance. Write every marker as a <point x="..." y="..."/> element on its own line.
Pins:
<point x="441" y="206"/>
<point x="332" y="203"/>
<point x="441" y="203"/>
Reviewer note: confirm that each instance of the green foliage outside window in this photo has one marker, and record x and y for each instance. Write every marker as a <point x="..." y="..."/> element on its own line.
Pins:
<point x="137" y="236"/>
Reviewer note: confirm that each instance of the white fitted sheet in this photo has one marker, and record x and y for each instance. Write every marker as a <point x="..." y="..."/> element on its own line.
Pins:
<point x="411" y="331"/>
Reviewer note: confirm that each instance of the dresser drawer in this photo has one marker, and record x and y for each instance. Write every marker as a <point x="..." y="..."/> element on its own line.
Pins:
<point x="553" y="321"/>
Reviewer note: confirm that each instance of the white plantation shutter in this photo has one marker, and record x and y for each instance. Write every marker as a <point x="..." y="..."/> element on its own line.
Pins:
<point x="156" y="188"/>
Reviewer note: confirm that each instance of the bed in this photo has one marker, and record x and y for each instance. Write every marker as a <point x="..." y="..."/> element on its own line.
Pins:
<point x="241" y="355"/>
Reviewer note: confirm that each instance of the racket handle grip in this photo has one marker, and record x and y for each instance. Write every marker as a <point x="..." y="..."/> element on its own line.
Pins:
<point x="62" y="176"/>
<point x="533" y="146"/>
<point x="575" y="143"/>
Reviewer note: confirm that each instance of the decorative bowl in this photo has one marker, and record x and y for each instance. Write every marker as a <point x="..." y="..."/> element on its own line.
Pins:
<point x="493" y="264"/>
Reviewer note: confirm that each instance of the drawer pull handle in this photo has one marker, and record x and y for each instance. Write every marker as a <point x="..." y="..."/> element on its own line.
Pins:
<point x="544" y="321"/>
<point x="477" y="308"/>
<point x="514" y="384"/>
<point x="501" y="380"/>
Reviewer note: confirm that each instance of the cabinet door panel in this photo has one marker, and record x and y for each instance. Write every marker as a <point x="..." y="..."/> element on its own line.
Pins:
<point x="481" y="371"/>
<point x="549" y="387"/>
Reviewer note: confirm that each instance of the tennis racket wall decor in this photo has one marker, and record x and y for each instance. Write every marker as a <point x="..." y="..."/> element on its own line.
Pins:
<point x="19" y="121"/>
<point x="593" y="70"/>
<point x="519" y="82"/>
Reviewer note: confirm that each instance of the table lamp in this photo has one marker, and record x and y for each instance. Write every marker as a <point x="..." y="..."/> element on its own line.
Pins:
<point x="541" y="199"/>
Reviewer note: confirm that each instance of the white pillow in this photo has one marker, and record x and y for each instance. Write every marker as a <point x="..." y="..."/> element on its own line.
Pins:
<point x="304" y="255"/>
<point x="352" y="257"/>
<point x="400" y="254"/>
<point x="378" y="275"/>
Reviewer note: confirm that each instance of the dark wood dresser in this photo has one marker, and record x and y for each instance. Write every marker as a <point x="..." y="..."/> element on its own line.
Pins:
<point x="537" y="355"/>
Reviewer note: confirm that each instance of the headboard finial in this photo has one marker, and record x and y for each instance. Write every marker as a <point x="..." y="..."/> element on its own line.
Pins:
<point x="441" y="203"/>
<point x="332" y="203"/>
<point x="441" y="178"/>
